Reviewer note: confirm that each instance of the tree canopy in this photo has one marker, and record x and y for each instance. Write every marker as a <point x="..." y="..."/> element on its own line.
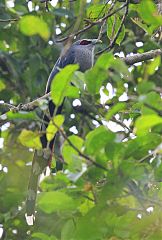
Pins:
<point x="109" y="132"/>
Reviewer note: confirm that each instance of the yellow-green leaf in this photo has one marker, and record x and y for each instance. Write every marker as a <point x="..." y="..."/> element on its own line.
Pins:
<point x="32" y="25"/>
<point x="52" y="128"/>
<point x="2" y="85"/>
<point x="153" y="65"/>
<point x="30" y="139"/>
<point x="145" y="123"/>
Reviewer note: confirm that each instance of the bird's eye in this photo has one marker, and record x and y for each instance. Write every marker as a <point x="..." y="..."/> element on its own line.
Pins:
<point x="85" y="42"/>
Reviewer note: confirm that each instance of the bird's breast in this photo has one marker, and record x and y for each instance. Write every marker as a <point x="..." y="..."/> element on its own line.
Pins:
<point x="84" y="59"/>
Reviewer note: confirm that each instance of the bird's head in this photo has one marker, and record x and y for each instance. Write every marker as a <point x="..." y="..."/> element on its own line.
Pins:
<point x="88" y="43"/>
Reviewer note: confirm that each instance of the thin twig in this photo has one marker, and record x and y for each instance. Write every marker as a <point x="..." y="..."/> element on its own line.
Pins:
<point x="101" y="30"/>
<point x="9" y="20"/>
<point x="121" y="124"/>
<point x="112" y="43"/>
<point x="146" y="157"/>
<point x="46" y="6"/>
<point x="25" y="107"/>
<point x="82" y="154"/>
<point x="104" y="22"/>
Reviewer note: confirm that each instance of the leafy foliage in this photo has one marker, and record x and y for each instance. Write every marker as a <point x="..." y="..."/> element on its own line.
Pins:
<point x="110" y="127"/>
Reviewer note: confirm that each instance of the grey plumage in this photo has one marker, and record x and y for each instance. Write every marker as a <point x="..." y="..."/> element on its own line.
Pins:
<point x="81" y="52"/>
<point x="77" y="53"/>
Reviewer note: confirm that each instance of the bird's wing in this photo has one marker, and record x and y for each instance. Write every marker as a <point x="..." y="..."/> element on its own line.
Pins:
<point x="68" y="58"/>
<point x="39" y="162"/>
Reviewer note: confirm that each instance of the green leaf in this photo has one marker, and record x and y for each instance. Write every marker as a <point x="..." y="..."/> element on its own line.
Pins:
<point x="138" y="148"/>
<point x="153" y="65"/>
<point x="144" y="123"/>
<point x="115" y="109"/>
<point x="121" y="68"/>
<point x="40" y="235"/>
<point x="95" y="11"/>
<point x="97" y="139"/>
<point x="32" y="25"/>
<point x="22" y="115"/>
<point x="150" y="16"/>
<point x="94" y="79"/>
<point x="142" y="25"/>
<point x="53" y="126"/>
<point x="144" y="87"/>
<point x="72" y="92"/>
<point x="115" y="152"/>
<point x="50" y="202"/>
<point x="60" y="84"/>
<point x="2" y="85"/>
<point x="78" y="79"/>
<point x="70" y="155"/>
<point x="95" y="220"/>
<point x="113" y="25"/>
<point x="30" y="139"/>
<point x="43" y="236"/>
<point x="105" y="61"/>
<point x="151" y="100"/>
<point x="68" y="230"/>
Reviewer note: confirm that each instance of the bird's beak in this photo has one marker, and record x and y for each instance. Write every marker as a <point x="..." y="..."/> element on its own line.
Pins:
<point x="96" y="41"/>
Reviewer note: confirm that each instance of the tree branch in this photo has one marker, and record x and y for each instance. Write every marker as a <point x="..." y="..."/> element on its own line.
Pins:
<point x="139" y="57"/>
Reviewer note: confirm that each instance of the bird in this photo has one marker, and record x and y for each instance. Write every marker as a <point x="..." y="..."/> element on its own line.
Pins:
<point x="80" y="52"/>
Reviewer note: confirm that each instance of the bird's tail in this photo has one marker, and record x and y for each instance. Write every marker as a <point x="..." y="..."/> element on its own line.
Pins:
<point x="41" y="160"/>
<point x="38" y="166"/>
